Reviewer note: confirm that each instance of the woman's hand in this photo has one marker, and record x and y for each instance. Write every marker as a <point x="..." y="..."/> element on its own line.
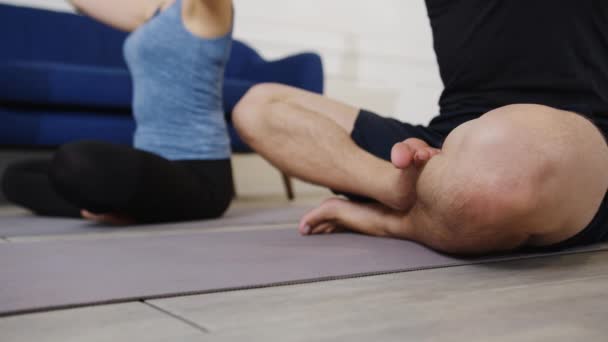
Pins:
<point x="120" y="14"/>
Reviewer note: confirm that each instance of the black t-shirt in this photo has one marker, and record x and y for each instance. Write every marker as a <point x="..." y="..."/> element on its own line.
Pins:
<point x="497" y="52"/>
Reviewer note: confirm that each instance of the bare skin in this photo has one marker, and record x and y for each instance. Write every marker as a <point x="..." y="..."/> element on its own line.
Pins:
<point x="204" y="18"/>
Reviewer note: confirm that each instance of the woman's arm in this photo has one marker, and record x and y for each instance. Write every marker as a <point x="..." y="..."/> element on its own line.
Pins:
<point x="123" y="15"/>
<point x="208" y="18"/>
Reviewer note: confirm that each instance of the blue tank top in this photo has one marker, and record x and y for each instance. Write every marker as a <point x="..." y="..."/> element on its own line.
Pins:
<point x="177" y="82"/>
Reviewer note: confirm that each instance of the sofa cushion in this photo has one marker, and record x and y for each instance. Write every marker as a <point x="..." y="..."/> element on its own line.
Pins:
<point x="49" y="127"/>
<point x="51" y="83"/>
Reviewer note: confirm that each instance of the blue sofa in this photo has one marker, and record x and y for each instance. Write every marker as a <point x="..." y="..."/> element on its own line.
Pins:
<point x="63" y="78"/>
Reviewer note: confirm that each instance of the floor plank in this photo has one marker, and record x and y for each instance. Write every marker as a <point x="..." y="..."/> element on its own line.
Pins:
<point x="546" y="299"/>
<point x="112" y="323"/>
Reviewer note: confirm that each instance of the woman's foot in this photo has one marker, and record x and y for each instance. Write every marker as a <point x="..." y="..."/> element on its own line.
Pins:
<point x="112" y="219"/>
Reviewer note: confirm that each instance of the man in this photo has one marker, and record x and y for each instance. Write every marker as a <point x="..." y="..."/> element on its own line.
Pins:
<point x="516" y="158"/>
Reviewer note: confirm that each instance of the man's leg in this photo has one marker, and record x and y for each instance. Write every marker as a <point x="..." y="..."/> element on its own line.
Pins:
<point x="308" y="136"/>
<point x="519" y="175"/>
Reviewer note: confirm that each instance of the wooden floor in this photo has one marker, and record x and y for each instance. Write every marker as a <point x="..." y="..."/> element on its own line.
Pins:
<point x="553" y="299"/>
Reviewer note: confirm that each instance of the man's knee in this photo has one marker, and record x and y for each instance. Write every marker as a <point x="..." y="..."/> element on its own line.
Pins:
<point x="253" y="111"/>
<point x="516" y="176"/>
<point x="481" y="192"/>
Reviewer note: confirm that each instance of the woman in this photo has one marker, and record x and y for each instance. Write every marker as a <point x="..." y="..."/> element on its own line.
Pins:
<point x="180" y="167"/>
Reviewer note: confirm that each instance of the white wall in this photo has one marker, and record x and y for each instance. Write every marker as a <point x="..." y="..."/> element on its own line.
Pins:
<point x="377" y="54"/>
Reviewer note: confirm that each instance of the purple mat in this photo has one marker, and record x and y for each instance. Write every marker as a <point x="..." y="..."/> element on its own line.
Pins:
<point x="48" y="275"/>
<point x="29" y="225"/>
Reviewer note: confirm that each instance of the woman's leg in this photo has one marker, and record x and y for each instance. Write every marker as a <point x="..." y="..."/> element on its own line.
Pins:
<point x="105" y="178"/>
<point x="27" y="185"/>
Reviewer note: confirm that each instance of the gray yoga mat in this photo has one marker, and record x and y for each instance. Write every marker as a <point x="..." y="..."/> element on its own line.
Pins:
<point x="15" y="225"/>
<point x="47" y="275"/>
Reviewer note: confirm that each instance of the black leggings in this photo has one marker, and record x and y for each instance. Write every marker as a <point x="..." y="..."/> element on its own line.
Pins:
<point x="106" y="178"/>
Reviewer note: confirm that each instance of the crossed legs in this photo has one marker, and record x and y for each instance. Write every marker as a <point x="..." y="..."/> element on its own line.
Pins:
<point x="516" y="176"/>
<point x="308" y="136"/>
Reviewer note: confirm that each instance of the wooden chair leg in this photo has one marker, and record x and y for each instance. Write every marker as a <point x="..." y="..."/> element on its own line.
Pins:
<point x="288" y="186"/>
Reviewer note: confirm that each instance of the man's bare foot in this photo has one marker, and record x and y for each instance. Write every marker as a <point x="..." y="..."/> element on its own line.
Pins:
<point x="113" y="219"/>
<point x="371" y="219"/>
<point x="410" y="151"/>
<point x="410" y="157"/>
